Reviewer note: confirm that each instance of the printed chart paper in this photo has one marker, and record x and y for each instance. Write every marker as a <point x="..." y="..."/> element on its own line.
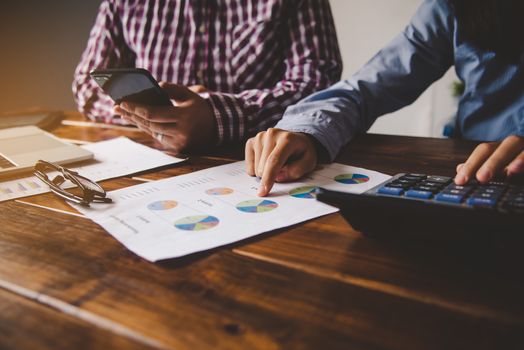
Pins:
<point x="190" y="213"/>
<point x="113" y="158"/>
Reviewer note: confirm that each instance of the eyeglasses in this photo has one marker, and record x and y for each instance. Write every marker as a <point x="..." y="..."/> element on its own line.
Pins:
<point x="91" y="191"/>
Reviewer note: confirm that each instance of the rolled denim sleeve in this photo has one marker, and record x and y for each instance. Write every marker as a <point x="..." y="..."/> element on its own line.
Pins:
<point x="395" y="77"/>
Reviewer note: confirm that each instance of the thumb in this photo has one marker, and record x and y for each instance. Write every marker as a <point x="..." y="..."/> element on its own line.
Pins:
<point x="177" y="92"/>
<point x="198" y="89"/>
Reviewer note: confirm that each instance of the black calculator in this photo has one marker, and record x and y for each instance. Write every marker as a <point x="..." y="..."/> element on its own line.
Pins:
<point x="431" y="205"/>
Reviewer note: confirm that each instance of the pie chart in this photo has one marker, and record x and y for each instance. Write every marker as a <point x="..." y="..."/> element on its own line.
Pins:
<point x="197" y="223"/>
<point x="352" y="179"/>
<point x="307" y="192"/>
<point x="257" y="206"/>
<point x="162" y="205"/>
<point x="220" y="191"/>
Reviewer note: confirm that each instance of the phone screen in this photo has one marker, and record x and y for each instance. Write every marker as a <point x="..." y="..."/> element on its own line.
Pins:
<point x="133" y="87"/>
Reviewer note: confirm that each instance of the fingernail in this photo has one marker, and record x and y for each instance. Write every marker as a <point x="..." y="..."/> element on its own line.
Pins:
<point x="484" y="175"/>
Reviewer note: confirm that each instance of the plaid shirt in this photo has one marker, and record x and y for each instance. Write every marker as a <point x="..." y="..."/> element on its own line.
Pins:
<point x="255" y="56"/>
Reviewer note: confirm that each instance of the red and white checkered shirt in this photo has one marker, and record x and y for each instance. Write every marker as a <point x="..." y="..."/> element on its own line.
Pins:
<point x="255" y="56"/>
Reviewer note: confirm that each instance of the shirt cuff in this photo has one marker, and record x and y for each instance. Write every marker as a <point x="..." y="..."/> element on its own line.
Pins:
<point x="327" y="129"/>
<point x="229" y="117"/>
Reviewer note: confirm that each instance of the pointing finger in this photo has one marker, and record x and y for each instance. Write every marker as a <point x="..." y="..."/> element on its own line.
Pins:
<point x="475" y="160"/>
<point x="275" y="161"/>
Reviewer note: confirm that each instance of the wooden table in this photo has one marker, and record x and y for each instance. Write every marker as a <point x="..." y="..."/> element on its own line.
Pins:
<point x="67" y="284"/>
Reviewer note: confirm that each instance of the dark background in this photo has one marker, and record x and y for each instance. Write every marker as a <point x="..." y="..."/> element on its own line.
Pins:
<point x="41" y="42"/>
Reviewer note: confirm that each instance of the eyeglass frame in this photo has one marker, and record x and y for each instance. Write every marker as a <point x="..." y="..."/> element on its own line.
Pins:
<point x="97" y="195"/>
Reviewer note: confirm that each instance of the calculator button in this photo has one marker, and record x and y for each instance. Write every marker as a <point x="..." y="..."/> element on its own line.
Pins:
<point x="456" y="192"/>
<point x="485" y="195"/>
<point x="420" y="176"/>
<point x="431" y="184"/>
<point x="439" y="179"/>
<point x="449" y="198"/>
<point x="491" y="190"/>
<point x="494" y="187"/>
<point x="482" y="202"/>
<point x="513" y="206"/>
<point x="413" y="177"/>
<point x="406" y="182"/>
<point x="419" y="194"/>
<point x="459" y="187"/>
<point x="390" y="191"/>
<point x="514" y="199"/>
<point x="515" y="192"/>
<point x="498" y="184"/>
<point x="427" y="189"/>
<point x="516" y="205"/>
<point x="398" y="185"/>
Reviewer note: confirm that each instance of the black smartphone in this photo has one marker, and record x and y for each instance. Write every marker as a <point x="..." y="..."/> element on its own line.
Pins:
<point x="132" y="85"/>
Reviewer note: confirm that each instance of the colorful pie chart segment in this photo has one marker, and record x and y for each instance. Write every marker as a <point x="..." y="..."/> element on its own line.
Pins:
<point x="197" y="223"/>
<point x="257" y="206"/>
<point x="162" y="205"/>
<point x="352" y="179"/>
<point x="220" y="191"/>
<point x="307" y="192"/>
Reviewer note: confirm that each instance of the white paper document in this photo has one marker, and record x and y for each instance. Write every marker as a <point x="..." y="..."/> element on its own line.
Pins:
<point x="113" y="158"/>
<point x="190" y="213"/>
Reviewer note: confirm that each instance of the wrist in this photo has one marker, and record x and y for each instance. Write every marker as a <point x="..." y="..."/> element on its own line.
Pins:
<point x="228" y="112"/>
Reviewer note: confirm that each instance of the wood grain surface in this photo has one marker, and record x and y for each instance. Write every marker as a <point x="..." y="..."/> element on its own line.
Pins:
<point x="66" y="283"/>
<point x="28" y="324"/>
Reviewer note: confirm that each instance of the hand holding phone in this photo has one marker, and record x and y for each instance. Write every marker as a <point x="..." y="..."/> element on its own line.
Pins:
<point x="189" y="124"/>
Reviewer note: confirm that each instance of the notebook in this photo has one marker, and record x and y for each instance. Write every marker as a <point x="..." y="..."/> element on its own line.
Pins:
<point x="22" y="147"/>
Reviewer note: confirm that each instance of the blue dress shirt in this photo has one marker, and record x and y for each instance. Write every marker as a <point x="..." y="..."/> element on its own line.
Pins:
<point x="491" y="108"/>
